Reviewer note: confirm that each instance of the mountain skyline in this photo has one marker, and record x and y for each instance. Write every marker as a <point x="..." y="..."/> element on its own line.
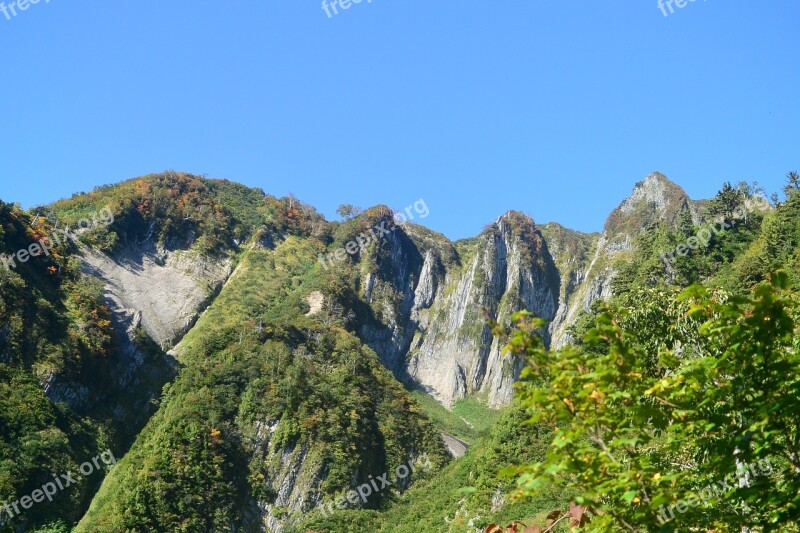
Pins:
<point x="400" y="207"/>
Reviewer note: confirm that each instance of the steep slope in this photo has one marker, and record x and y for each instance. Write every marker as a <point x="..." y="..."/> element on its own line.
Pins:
<point x="456" y="355"/>
<point x="744" y="254"/>
<point x="396" y="279"/>
<point x="422" y="302"/>
<point x="436" y="296"/>
<point x="276" y="409"/>
<point x="71" y="386"/>
<point x="572" y="253"/>
<point x="85" y="324"/>
<point x="654" y="201"/>
<point x="167" y="251"/>
<point x="163" y="290"/>
<point x="441" y="505"/>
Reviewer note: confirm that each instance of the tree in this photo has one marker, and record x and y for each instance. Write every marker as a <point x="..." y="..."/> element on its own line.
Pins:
<point x="666" y="399"/>
<point x="792" y="183"/>
<point x="727" y="200"/>
<point x="348" y="210"/>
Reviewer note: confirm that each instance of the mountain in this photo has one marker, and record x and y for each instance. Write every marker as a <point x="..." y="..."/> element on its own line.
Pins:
<point x="654" y="200"/>
<point x="248" y="362"/>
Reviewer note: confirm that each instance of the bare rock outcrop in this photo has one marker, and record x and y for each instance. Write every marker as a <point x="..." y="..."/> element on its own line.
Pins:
<point x="166" y="289"/>
<point x="458" y="355"/>
<point x="431" y="313"/>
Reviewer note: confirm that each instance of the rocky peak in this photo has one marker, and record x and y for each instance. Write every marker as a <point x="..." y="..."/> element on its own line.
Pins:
<point x="655" y="188"/>
<point x="518" y="229"/>
<point x="654" y="199"/>
<point x="515" y="217"/>
<point x="515" y="221"/>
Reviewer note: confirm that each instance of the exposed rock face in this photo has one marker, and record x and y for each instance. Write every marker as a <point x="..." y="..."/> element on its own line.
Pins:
<point x="316" y="301"/>
<point x="159" y="291"/>
<point x="572" y="253"/>
<point x="455" y="446"/>
<point x="430" y="301"/>
<point x="294" y="477"/>
<point x="653" y="200"/>
<point x="399" y="289"/>
<point x="458" y="355"/>
<point x="415" y="298"/>
<point x="166" y="289"/>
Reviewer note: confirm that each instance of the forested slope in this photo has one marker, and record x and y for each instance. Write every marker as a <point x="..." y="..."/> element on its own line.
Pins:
<point x="249" y="364"/>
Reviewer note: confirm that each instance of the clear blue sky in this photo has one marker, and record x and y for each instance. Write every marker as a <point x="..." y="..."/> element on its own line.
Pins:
<point x="553" y="108"/>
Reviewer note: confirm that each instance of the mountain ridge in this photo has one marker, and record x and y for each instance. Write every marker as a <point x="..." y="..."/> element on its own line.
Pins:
<point x="419" y="271"/>
<point x="178" y="268"/>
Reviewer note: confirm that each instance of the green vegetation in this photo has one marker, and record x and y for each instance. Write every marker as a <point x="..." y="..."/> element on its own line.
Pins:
<point x="56" y="329"/>
<point x="670" y="391"/>
<point x="475" y="411"/>
<point x="255" y="360"/>
<point x="638" y="427"/>
<point x="178" y="210"/>
<point x="464" y="492"/>
<point x="719" y="262"/>
<point x="690" y="369"/>
<point x="469" y="419"/>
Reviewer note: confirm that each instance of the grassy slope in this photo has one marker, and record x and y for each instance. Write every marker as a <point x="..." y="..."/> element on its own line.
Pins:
<point x="469" y="419"/>
<point x="54" y="323"/>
